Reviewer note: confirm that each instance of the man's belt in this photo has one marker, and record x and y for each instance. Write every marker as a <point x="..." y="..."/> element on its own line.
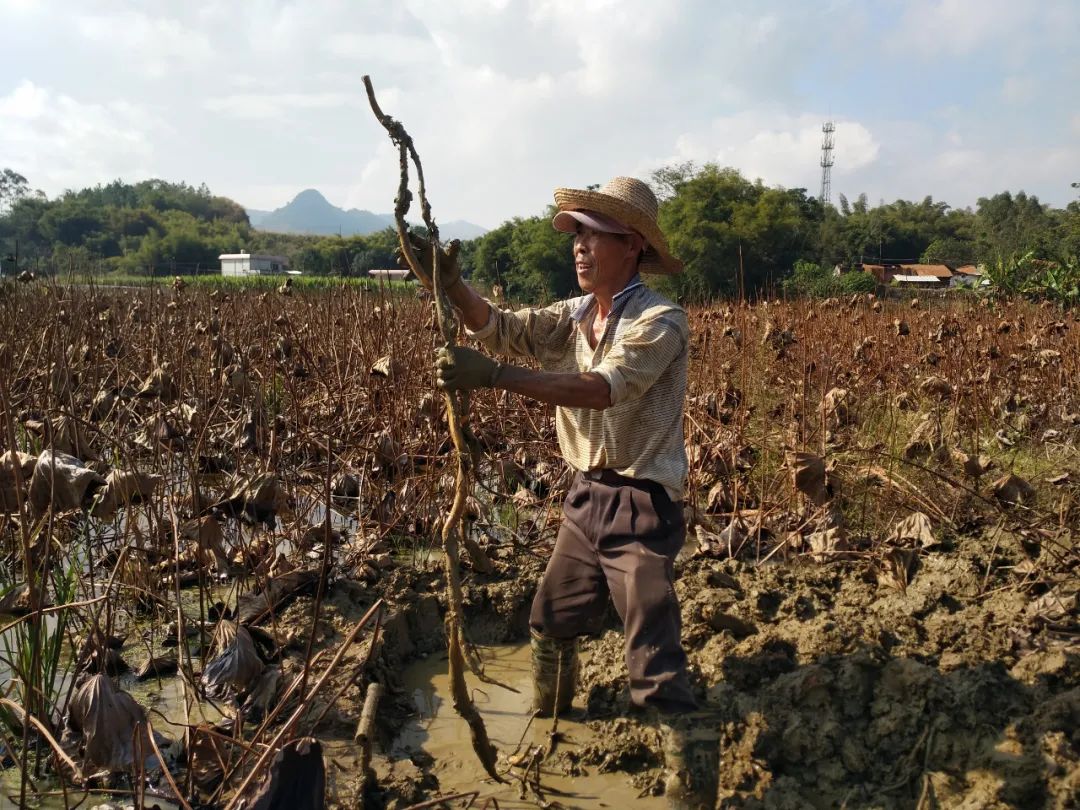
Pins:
<point x="614" y="479"/>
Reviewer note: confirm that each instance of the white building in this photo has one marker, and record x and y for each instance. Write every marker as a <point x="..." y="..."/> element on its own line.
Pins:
<point x="390" y="273"/>
<point x="253" y="264"/>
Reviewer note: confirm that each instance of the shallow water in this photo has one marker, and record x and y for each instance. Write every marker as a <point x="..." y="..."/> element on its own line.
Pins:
<point x="439" y="732"/>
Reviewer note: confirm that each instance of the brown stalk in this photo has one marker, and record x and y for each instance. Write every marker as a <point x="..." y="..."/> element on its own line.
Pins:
<point x="287" y="728"/>
<point x="457" y="406"/>
<point x="30" y="720"/>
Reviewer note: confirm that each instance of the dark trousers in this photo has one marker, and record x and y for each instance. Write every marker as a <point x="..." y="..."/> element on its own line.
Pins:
<point x="619" y="536"/>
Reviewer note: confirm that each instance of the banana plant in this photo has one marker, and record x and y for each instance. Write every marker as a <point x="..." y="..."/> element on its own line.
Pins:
<point x="1061" y="281"/>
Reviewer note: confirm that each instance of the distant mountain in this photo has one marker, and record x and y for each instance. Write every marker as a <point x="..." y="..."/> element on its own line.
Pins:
<point x="256" y="217"/>
<point x="459" y="229"/>
<point x="310" y="212"/>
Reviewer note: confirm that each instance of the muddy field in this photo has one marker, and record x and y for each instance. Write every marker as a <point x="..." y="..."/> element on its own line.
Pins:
<point x="879" y="589"/>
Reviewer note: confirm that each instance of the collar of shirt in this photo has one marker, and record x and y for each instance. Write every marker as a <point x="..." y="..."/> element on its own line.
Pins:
<point x="584" y="307"/>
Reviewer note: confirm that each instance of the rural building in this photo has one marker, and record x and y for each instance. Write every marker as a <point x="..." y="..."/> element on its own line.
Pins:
<point x="910" y="274"/>
<point x="390" y="274"/>
<point x="968" y="275"/>
<point x="252" y="264"/>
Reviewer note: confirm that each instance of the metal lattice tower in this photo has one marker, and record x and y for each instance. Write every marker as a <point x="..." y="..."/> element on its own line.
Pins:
<point x="827" y="130"/>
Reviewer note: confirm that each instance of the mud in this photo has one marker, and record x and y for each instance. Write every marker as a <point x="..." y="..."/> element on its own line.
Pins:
<point x="846" y="692"/>
<point x="437" y="739"/>
<point x="827" y="687"/>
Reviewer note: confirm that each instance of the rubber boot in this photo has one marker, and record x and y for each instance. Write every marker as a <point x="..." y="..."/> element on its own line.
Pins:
<point x="691" y="760"/>
<point x="555" y="672"/>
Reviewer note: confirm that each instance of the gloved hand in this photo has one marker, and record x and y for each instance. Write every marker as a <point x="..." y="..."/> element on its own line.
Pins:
<point x="463" y="369"/>
<point x="448" y="263"/>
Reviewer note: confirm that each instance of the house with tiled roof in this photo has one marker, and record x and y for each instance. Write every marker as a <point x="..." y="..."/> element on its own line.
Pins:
<point x="910" y="274"/>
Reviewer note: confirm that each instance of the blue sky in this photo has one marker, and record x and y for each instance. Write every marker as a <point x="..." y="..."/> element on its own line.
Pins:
<point x="507" y="99"/>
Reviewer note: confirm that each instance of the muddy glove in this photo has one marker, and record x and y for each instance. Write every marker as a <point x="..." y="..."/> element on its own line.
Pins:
<point x="463" y="369"/>
<point x="448" y="263"/>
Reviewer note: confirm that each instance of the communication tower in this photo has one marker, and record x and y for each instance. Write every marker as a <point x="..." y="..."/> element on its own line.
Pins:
<point x="827" y="130"/>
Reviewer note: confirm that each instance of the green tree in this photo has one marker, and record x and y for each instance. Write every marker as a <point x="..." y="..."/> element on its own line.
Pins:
<point x="733" y="234"/>
<point x="377" y="250"/>
<point x="808" y="278"/>
<point x="491" y="257"/>
<point x="697" y="221"/>
<point x="13" y="187"/>
<point x="949" y="250"/>
<point x="1010" y="226"/>
<point x="71" y="221"/>
<point x="541" y="261"/>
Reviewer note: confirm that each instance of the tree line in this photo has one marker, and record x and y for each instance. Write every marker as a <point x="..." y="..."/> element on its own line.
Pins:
<point x="735" y="235"/>
<point x="156" y="227"/>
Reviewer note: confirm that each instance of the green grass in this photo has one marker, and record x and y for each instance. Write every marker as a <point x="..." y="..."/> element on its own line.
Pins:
<point x="33" y="652"/>
<point x="217" y="281"/>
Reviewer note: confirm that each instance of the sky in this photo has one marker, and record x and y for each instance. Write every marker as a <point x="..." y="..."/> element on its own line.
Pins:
<point x="507" y="99"/>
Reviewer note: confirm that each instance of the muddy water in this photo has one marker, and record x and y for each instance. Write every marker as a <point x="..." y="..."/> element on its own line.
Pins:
<point x="440" y="733"/>
<point x="165" y="701"/>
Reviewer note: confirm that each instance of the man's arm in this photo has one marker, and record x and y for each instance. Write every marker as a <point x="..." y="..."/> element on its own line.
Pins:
<point x="474" y="309"/>
<point x="570" y="389"/>
<point x="460" y="368"/>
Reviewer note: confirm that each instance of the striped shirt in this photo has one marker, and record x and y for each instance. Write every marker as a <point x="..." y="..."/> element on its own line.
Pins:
<point x="642" y="355"/>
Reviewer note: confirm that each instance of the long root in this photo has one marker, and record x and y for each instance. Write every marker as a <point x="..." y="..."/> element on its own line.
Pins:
<point x="457" y="408"/>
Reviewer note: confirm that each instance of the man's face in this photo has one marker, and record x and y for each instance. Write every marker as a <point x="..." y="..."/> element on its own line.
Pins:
<point x="599" y="257"/>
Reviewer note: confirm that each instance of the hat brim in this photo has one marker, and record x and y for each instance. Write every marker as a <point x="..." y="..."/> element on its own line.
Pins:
<point x="656" y="258"/>
<point x="567" y="222"/>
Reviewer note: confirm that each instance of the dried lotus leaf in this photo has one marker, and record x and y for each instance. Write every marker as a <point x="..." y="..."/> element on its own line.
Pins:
<point x="937" y="387"/>
<point x="1013" y="490"/>
<point x="809" y="477"/>
<point x="237" y="664"/>
<point x="896" y="568"/>
<point x="106" y="719"/>
<point x="915" y="527"/>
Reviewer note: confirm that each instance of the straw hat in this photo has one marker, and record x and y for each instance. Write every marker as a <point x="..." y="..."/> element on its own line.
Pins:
<point x="630" y="202"/>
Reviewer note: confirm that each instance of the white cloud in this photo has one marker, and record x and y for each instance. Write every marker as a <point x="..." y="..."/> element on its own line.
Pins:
<point x="959" y="175"/>
<point x="1019" y="89"/>
<point x="507" y="99"/>
<point x="20" y="6"/>
<point x="58" y="142"/>
<point x="780" y="149"/>
<point x="952" y="27"/>
<point x="387" y="48"/>
<point x="156" y="45"/>
<point x="947" y="29"/>
<point x="277" y="106"/>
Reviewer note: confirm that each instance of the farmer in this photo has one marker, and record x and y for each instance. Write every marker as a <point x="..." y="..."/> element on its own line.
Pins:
<point x="614" y="362"/>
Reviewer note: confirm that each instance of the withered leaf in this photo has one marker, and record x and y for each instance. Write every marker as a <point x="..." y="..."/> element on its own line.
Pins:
<point x="827" y="544"/>
<point x="296" y="779"/>
<point x="1013" y="490"/>
<point x="63" y="482"/>
<point x="157" y="667"/>
<point x="809" y="477"/>
<point x="385" y="367"/>
<point x="936" y="387"/>
<point x="835" y="407"/>
<point x="973" y="465"/>
<point x="237" y="663"/>
<point x="894" y="570"/>
<point x="916" y="528"/>
<point x="106" y="719"/>
<point x="1053" y="606"/>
